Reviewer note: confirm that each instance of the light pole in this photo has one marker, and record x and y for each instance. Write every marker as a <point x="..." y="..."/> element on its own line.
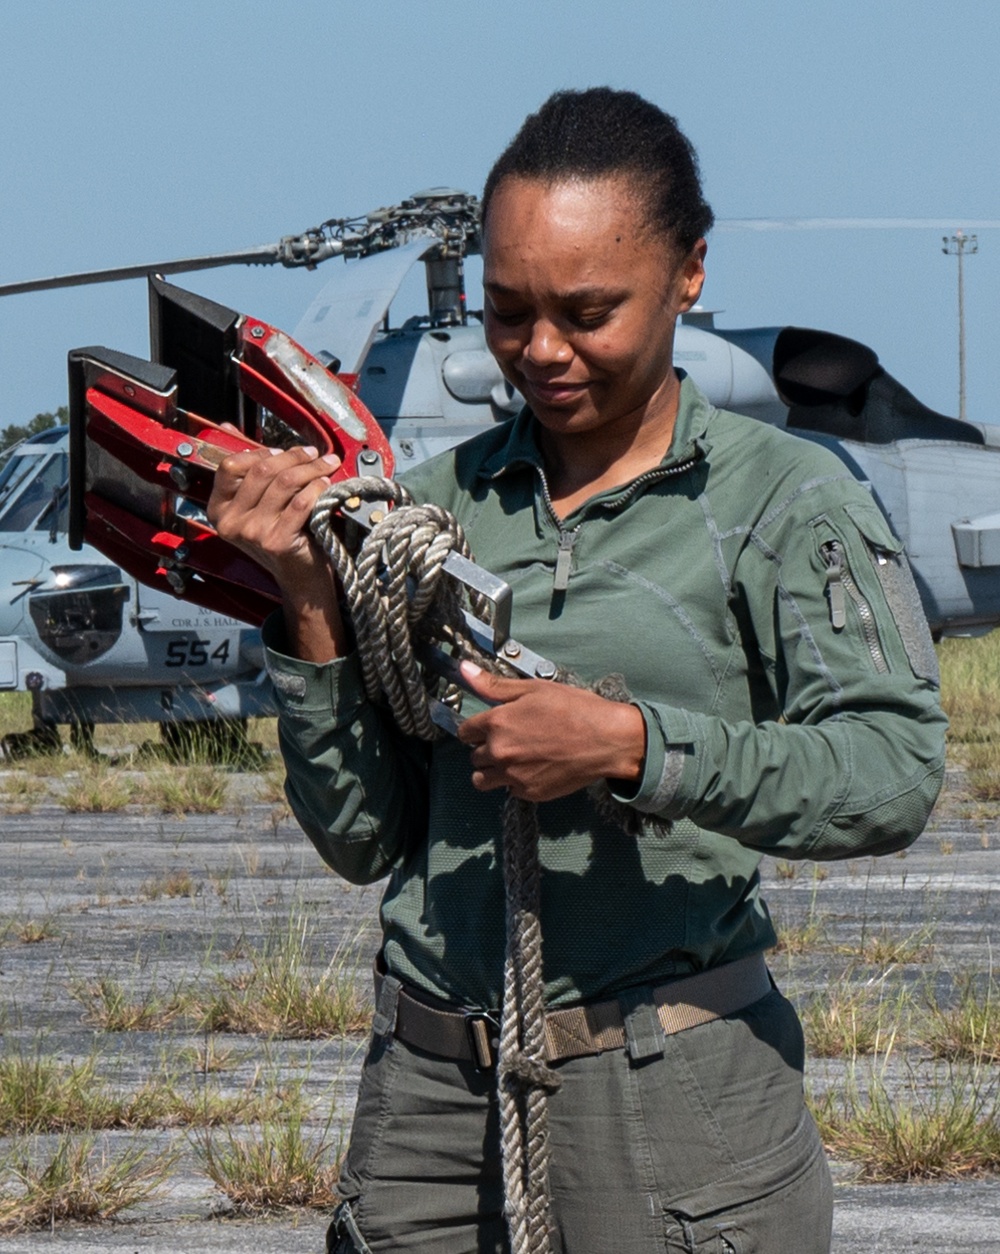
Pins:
<point x="958" y="245"/>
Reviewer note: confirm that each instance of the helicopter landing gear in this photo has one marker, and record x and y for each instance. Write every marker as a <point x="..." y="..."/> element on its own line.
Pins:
<point x="44" y="738"/>
<point x="81" y="738"/>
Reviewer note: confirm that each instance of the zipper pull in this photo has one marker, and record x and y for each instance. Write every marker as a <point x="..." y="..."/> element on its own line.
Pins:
<point x="564" y="559"/>
<point x="835" y="585"/>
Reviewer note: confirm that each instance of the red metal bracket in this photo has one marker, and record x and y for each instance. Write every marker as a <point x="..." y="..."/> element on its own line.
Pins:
<point x="142" y="464"/>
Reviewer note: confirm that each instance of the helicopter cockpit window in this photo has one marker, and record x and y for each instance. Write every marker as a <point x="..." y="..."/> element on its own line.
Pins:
<point x="14" y="473"/>
<point x="30" y="495"/>
<point x="55" y="516"/>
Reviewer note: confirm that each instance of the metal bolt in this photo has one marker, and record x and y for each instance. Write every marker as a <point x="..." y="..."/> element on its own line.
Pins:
<point x="353" y="502"/>
<point x="181" y="552"/>
<point x="180" y="477"/>
<point x="184" y="449"/>
<point x="546" y="670"/>
<point x="376" y="516"/>
<point x="257" y="332"/>
<point x="368" y="457"/>
<point x="511" y="649"/>
<point x="129" y="390"/>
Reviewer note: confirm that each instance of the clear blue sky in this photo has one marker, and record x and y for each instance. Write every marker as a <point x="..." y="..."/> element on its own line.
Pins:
<point x="133" y="131"/>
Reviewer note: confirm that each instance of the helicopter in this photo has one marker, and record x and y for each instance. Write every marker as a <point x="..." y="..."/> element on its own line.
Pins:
<point x="92" y="643"/>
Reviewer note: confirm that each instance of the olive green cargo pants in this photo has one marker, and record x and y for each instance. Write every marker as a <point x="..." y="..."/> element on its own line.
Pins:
<point x="693" y="1142"/>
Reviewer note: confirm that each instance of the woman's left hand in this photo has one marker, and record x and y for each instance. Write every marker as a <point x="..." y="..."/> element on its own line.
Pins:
<point x="544" y="740"/>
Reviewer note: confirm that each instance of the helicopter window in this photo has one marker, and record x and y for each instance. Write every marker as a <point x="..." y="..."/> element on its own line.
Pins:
<point x="36" y="492"/>
<point x="54" y="517"/>
<point x="15" y="472"/>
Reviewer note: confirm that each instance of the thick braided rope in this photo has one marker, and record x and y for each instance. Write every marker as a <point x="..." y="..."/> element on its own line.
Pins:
<point x="524" y="1078"/>
<point x="394" y="592"/>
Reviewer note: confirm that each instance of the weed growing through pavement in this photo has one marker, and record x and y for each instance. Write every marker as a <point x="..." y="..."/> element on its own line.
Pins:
<point x="850" y="1021"/>
<point x="943" y="1125"/>
<point x="209" y="1057"/>
<point x="21" y="792"/>
<point x="271" y="786"/>
<point x="40" y="1093"/>
<point x="280" y="993"/>
<point x="192" y="790"/>
<point x="969" y="1029"/>
<point x="97" y="788"/>
<point x="175" y="884"/>
<point x="982" y="762"/>
<point x="77" y="1180"/>
<point x="280" y="1163"/>
<point x="111" y="1006"/>
<point x="27" y="931"/>
<point x="799" y="938"/>
<point x="888" y="947"/>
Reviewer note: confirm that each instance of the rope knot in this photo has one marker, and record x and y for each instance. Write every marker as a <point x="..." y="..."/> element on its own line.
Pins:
<point x="528" y="1072"/>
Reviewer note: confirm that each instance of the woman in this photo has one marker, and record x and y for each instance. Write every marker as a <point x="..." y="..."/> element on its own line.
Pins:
<point x="704" y="557"/>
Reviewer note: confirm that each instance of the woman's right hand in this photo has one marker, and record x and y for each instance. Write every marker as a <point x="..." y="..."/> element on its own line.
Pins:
<point x="261" y="502"/>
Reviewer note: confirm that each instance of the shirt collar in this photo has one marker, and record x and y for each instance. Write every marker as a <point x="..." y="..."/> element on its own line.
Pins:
<point x="694" y="411"/>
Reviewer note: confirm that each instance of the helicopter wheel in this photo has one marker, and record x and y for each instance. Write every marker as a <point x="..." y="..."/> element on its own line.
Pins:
<point x="43" y="738"/>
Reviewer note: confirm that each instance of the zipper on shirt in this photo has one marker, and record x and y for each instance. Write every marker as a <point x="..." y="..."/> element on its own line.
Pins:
<point x="564" y="559"/>
<point x="840" y="583"/>
<point x="568" y="537"/>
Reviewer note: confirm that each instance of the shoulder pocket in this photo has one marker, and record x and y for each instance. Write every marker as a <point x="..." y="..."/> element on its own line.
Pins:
<point x="898" y="588"/>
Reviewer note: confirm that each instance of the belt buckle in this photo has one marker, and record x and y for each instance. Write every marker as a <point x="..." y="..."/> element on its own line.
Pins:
<point x="483" y="1031"/>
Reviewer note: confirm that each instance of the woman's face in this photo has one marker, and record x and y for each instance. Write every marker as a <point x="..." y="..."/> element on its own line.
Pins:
<point x="582" y="297"/>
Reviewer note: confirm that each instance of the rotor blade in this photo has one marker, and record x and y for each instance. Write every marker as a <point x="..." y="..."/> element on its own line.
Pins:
<point x="264" y="255"/>
<point x="856" y="224"/>
<point x="344" y="316"/>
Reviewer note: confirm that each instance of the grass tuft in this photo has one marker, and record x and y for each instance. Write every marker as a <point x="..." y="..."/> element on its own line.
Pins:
<point x="193" y="790"/>
<point x="969" y="1029"/>
<point x="78" y="1181"/>
<point x="97" y="788"/>
<point x="799" y="938"/>
<point x="845" y="1024"/>
<point x="39" y="1093"/>
<point x="109" y="1005"/>
<point x="888" y="947"/>
<point x="281" y="994"/>
<point x="948" y="1129"/>
<point x="279" y="1164"/>
<point x="176" y="884"/>
<point x="21" y="793"/>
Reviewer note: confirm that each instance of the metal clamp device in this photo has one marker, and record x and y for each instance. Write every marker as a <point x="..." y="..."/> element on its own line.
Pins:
<point x="146" y="438"/>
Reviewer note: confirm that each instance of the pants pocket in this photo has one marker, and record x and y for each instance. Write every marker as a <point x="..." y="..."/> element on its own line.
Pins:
<point x="343" y="1236"/>
<point x="794" y="1216"/>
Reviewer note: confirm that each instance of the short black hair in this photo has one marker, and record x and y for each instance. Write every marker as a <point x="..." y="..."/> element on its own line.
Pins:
<point x="602" y="133"/>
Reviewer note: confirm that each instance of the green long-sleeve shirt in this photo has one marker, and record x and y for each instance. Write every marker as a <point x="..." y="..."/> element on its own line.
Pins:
<point x="766" y="624"/>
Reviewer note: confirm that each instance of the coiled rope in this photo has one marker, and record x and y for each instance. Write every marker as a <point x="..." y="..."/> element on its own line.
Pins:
<point x="398" y="597"/>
